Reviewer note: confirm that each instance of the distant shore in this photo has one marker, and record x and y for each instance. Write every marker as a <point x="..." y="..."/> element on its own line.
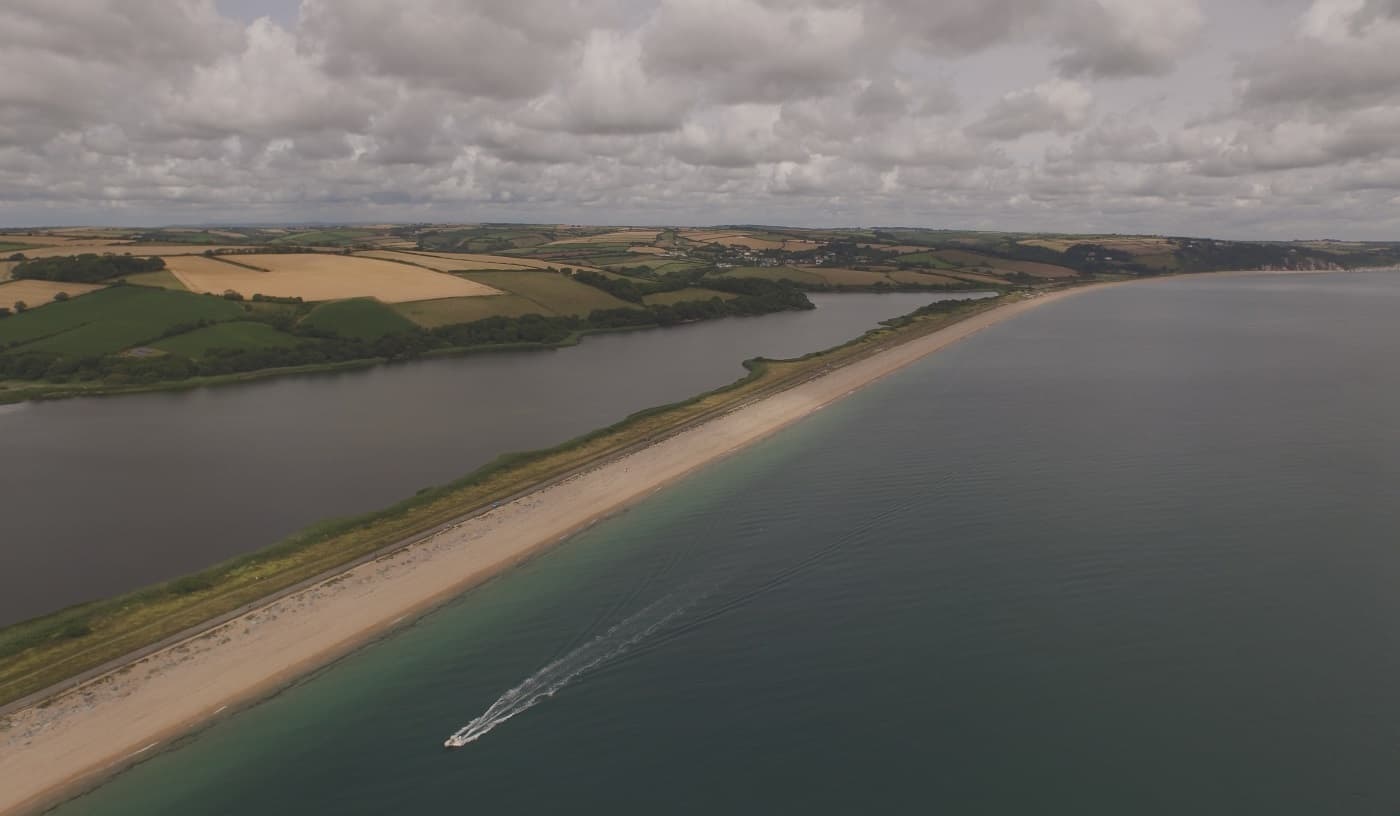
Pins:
<point x="54" y="748"/>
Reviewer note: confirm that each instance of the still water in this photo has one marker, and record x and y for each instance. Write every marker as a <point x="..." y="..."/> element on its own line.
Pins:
<point x="99" y="496"/>
<point x="1134" y="552"/>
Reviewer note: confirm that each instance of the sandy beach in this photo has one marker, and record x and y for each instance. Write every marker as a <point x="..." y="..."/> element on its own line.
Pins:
<point x="57" y="748"/>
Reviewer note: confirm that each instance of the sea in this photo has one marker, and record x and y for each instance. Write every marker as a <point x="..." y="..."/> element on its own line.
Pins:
<point x="1134" y="552"/>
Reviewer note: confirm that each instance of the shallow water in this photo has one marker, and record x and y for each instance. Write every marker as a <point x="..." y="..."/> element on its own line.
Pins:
<point x="116" y="493"/>
<point x="1133" y="552"/>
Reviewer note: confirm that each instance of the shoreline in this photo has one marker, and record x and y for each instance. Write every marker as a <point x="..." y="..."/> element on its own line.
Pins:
<point x="48" y="751"/>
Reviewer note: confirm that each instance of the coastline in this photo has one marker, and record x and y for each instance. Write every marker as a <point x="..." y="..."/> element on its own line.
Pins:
<point x="53" y="749"/>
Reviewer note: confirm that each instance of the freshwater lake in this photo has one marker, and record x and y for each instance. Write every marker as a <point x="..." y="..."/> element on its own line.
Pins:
<point x="1134" y="552"/>
<point x="103" y="495"/>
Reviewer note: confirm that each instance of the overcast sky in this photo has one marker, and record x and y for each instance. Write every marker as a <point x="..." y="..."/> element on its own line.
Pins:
<point x="1230" y="118"/>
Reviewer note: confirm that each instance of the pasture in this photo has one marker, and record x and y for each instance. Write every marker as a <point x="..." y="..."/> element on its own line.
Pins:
<point x="449" y="311"/>
<point x="320" y="277"/>
<point x="365" y="318"/>
<point x="683" y="295"/>
<point x="552" y="292"/>
<point x="110" y="320"/>
<point x="161" y="279"/>
<point x="639" y="236"/>
<point x="238" y="334"/>
<point x="39" y="292"/>
<point x="775" y="273"/>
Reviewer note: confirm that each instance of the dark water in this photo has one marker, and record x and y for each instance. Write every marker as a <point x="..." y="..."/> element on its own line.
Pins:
<point x="99" y="496"/>
<point x="1132" y="553"/>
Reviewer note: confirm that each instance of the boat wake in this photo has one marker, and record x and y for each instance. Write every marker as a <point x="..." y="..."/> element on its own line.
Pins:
<point x="549" y="680"/>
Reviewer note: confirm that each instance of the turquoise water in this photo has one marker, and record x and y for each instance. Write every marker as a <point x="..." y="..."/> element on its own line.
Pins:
<point x="1134" y="552"/>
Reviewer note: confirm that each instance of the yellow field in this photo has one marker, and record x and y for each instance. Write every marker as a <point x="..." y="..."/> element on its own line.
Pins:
<point x="441" y="263"/>
<point x="495" y="261"/>
<point x="314" y="277"/>
<point x="39" y="292"/>
<point x="619" y="237"/>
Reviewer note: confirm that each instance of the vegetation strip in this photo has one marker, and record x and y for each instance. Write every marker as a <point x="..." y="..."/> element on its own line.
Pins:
<point x="38" y="656"/>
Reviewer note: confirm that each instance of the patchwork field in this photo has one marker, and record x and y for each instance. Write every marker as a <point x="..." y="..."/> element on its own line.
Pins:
<point x="552" y="292"/>
<point x="317" y="277"/>
<point x="448" y="311"/>
<point x="619" y="237"/>
<point x="238" y="334"/>
<point x="648" y="250"/>
<point x="443" y="263"/>
<point x="476" y="261"/>
<point x="110" y="320"/>
<point x="916" y="278"/>
<point x="39" y="292"/>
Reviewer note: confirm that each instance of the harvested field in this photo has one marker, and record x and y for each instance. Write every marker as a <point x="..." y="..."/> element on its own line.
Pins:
<point x="6" y="267"/>
<point x="36" y="293"/>
<point x="619" y="237"/>
<point x="683" y="295"/>
<point x="439" y="263"/>
<point x="315" y="277"/>
<point x="748" y="242"/>
<point x="448" y="311"/>
<point x="553" y="293"/>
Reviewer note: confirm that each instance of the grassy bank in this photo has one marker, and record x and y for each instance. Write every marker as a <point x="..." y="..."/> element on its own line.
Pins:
<point x="39" y="653"/>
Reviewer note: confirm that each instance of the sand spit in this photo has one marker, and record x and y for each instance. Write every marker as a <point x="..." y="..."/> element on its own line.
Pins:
<point x="56" y="748"/>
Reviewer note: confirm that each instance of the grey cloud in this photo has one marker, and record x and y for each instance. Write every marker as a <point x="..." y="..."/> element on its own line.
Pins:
<point x="1058" y="105"/>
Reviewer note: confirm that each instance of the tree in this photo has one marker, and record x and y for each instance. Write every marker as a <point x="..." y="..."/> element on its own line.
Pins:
<point x="59" y="297"/>
<point x="20" y="306"/>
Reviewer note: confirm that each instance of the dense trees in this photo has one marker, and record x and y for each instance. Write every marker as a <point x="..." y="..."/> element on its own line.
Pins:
<point x="86" y="268"/>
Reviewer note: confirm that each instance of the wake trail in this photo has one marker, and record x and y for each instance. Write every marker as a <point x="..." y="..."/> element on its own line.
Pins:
<point x="551" y="679"/>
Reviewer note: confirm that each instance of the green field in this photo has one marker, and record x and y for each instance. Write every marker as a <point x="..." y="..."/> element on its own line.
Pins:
<point x="447" y="311"/>
<point x="110" y="320"/>
<point x="929" y="259"/>
<point x="775" y="273"/>
<point x="240" y="334"/>
<point x="553" y="293"/>
<point x="682" y="295"/>
<point x="365" y="318"/>
<point x="161" y="279"/>
<point x="325" y="237"/>
<point x="11" y="246"/>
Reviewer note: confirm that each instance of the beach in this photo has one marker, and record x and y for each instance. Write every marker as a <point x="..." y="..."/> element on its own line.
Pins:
<point x="56" y="748"/>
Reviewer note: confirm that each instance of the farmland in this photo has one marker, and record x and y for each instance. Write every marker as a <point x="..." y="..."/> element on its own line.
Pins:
<point x="553" y="293"/>
<point x="447" y="311"/>
<point x="138" y="250"/>
<point x="317" y="277"/>
<point x="39" y="292"/>
<point x="109" y="320"/>
<point x="233" y="335"/>
<point x="683" y="295"/>
<point x="362" y="318"/>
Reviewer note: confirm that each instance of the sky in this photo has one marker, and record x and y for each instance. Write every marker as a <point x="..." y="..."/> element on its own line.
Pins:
<point x="1223" y="118"/>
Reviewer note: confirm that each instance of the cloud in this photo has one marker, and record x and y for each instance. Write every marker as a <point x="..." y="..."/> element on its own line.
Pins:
<point x="1058" y="105"/>
<point x="1038" y="114"/>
